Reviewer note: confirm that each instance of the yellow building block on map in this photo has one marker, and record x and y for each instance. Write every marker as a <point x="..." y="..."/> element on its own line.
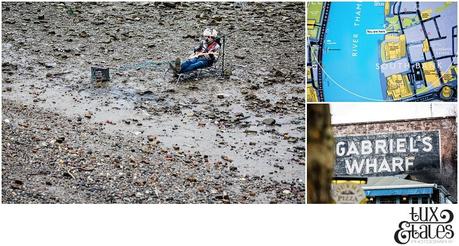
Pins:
<point x="311" y="94"/>
<point x="393" y="48"/>
<point x="425" y="46"/>
<point x="398" y="86"/>
<point x="402" y="44"/>
<point x="426" y="14"/>
<point x="448" y="75"/>
<point x="311" y="24"/>
<point x="430" y="74"/>
<point x="386" y="8"/>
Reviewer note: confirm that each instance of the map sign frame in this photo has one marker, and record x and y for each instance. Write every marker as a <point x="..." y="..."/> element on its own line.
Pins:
<point x="381" y="51"/>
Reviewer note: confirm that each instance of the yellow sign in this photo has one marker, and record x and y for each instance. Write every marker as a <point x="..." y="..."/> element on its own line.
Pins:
<point x="348" y="193"/>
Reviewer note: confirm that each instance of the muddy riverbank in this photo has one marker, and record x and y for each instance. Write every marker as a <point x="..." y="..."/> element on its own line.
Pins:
<point x="140" y="138"/>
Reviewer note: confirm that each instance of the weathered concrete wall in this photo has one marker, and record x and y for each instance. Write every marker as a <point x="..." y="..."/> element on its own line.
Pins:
<point x="447" y="174"/>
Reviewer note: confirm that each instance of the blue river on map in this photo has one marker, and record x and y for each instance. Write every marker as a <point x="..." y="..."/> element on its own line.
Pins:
<point x="347" y="77"/>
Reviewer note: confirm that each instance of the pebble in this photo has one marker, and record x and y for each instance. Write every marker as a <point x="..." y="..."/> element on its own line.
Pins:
<point x="269" y="121"/>
<point x="226" y="158"/>
<point x="286" y="192"/>
<point x="60" y="139"/>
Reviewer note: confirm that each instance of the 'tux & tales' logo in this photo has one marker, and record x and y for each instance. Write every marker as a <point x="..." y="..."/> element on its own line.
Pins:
<point x="427" y="224"/>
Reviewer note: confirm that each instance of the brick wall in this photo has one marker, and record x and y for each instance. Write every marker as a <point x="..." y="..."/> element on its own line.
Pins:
<point x="447" y="176"/>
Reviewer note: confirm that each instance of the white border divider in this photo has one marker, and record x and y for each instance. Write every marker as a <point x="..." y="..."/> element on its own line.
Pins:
<point x="204" y="224"/>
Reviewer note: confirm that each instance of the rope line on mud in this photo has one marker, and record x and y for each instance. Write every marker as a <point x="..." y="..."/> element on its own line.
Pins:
<point x="143" y="65"/>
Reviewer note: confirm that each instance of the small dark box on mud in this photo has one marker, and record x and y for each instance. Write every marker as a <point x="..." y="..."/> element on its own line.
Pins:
<point x="100" y="74"/>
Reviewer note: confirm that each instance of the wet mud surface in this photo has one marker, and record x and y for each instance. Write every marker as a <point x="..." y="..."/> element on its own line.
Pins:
<point x="141" y="137"/>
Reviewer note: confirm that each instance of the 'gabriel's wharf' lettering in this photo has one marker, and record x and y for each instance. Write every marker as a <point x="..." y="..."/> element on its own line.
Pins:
<point x="386" y="153"/>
